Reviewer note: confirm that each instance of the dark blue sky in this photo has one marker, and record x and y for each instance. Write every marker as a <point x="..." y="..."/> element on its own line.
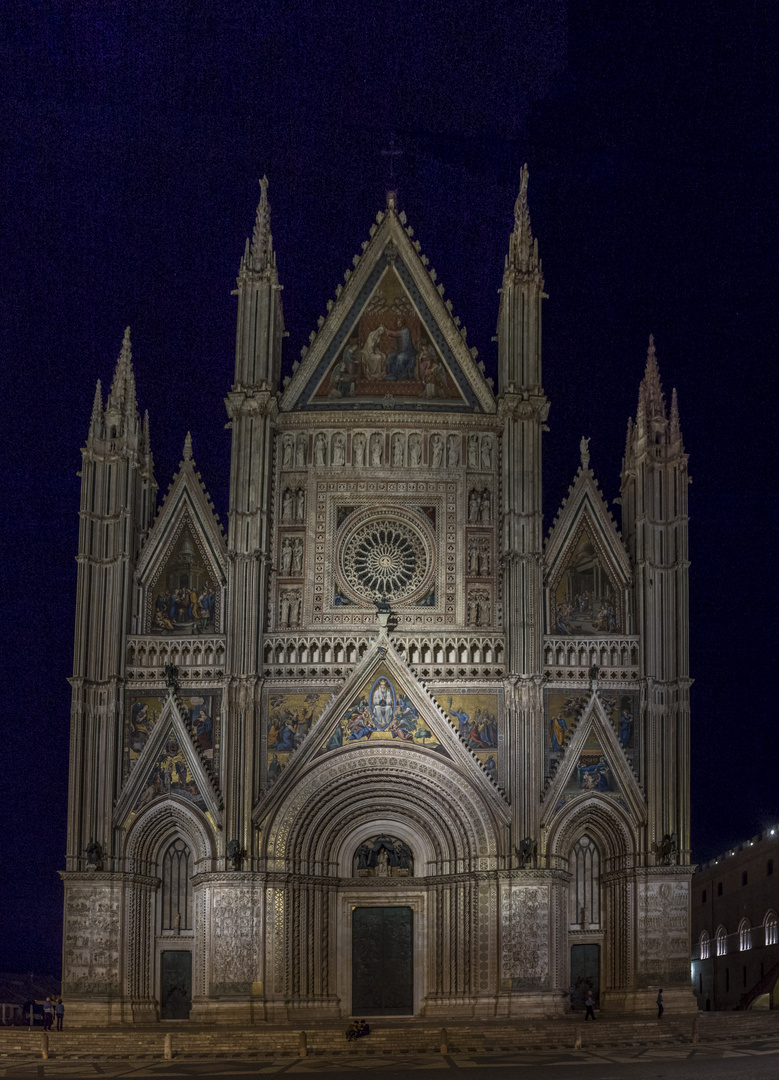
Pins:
<point x="133" y="136"/>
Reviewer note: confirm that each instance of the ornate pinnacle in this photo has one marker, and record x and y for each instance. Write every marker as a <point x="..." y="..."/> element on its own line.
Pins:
<point x="187" y="452"/>
<point x="584" y="450"/>
<point x="262" y="241"/>
<point x="651" y="392"/>
<point x="523" y="250"/>
<point x="122" y="395"/>
<point x="675" y="431"/>
<point x="97" y="404"/>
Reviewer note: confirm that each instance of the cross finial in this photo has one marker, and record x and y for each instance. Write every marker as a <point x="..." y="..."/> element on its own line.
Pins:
<point x="393" y="152"/>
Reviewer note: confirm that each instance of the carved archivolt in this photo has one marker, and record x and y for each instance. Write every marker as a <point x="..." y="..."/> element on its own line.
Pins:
<point x="603" y="820"/>
<point x="154" y="828"/>
<point x="449" y="824"/>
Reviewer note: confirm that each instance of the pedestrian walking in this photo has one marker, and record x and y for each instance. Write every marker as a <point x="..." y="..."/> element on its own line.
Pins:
<point x="59" y="1012"/>
<point x="660" y="1005"/>
<point x="48" y="1014"/>
<point x="589" y="1002"/>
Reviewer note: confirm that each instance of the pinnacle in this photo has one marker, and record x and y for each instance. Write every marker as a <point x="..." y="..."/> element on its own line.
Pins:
<point x="523" y="249"/>
<point x="122" y="395"/>
<point x="651" y="390"/>
<point x="97" y="404"/>
<point x="187" y="452"/>
<point x="262" y="240"/>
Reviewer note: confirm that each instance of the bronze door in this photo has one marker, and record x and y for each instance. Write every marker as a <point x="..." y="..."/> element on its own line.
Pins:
<point x="175" y="984"/>
<point x="382" y="961"/>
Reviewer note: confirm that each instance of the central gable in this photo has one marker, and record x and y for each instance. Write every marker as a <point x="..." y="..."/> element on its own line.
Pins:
<point x="389" y="340"/>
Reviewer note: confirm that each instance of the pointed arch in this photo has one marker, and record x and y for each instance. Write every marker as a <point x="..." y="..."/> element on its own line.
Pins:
<point x="744" y="935"/>
<point x="157" y="826"/>
<point x="771" y="928"/>
<point x="722" y="940"/>
<point x="704" y="945"/>
<point x="602" y="819"/>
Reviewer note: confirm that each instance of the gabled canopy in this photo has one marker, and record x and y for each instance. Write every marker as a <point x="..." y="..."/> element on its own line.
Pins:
<point x="389" y="340"/>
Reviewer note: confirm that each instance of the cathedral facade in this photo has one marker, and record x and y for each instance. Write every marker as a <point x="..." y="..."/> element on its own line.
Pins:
<point x="381" y="747"/>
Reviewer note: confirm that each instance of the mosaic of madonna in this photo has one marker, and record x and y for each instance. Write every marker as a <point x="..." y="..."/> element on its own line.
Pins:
<point x="388" y="352"/>
<point x="184" y="595"/>
<point x="585" y="600"/>
<point x="289" y="719"/>
<point x="142" y="711"/>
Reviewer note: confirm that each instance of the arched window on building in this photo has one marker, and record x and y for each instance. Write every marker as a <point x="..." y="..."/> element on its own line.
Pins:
<point x="744" y="935"/>
<point x="585" y="888"/>
<point x="722" y="941"/>
<point x="771" y="925"/>
<point x="177" y="887"/>
<point x="704" y="942"/>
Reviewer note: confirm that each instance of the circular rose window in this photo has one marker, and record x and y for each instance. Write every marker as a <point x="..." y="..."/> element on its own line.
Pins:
<point x="386" y="557"/>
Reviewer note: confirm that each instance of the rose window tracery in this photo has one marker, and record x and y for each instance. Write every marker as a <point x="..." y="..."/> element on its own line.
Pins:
<point x="385" y="558"/>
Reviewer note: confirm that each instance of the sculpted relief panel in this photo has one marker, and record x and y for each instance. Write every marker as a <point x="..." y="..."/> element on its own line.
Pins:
<point x="525" y="930"/>
<point x="91" y="954"/>
<point x="235" y="929"/>
<point x="663" y="930"/>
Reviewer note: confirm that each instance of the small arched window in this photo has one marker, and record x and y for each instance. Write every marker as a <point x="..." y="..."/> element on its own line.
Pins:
<point x="177" y="887"/>
<point x="704" y="943"/>
<point x="744" y="935"/>
<point x="722" y="941"/>
<point x="771" y="925"/>
<point x="585" y="888"/>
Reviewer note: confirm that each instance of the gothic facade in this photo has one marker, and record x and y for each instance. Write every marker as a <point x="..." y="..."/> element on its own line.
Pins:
<point x="382" y="746"/>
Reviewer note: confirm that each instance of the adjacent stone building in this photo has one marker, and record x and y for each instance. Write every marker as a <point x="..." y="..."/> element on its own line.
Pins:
<point x="382" y="746"/>
<point x="735" y="927"/>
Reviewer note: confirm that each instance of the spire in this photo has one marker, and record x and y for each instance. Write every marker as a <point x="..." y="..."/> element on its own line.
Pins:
<point x="675" y="431"/>
<point x="650" y="393"/>
<point x="97" y="411"/>
<point x="523" y="249"/>
<point x="262" y="240"/>
<point x="121" y="399"/>
<point x="187" y="452"/>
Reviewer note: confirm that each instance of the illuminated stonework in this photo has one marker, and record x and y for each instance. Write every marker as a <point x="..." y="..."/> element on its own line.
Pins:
<point x="384" y="557"/>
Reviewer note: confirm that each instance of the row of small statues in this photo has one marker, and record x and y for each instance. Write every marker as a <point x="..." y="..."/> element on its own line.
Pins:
<point x="444" y="450"/>
<point x="479" y="506"/>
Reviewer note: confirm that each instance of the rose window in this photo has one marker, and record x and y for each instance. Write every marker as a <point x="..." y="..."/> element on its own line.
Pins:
<point x="385" y="558"/>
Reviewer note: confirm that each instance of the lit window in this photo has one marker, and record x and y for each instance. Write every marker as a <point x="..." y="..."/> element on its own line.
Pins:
<point x="177" y="887"/>
<point x="771" y="928"/>
<point x="585" y="893"/>
<point x="744" y="936"/>
<point x="704" y="946"/>
<point x="722" y="941"/>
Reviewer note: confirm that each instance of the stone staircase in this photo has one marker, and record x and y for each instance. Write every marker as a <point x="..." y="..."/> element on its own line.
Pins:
<point x="390" y="1036"/>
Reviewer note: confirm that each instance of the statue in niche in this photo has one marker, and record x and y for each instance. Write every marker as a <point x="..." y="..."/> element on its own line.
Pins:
<point x="286" y="557"/>
<point x="415" y="449"/>
<point x="437" y="451"/>
<point x="286" y="505"/>
<point x="453" y="451"/>
<point x="485" y="507"/>
<point x="526" y="852"/>
<point x="383" y="856"/>
<point x="486" y="453"/>
<point x="376" y="448"/>
<point x="94" y="855"/>
<point x="300" y="451"/>
<point x="473" y="451"/>
<point x="297" y="557"/>
<point x="397" y="450"/>
<point x="484" y="558"/>
<point x="358" y="450"/>
<point x="339" y="449"/>
<point x="474" y="502"/>
<point x="473" y="557"/>
<point x="287" y="451"/>
<point x="320" y="449"/>
<point x="300" y="504"/>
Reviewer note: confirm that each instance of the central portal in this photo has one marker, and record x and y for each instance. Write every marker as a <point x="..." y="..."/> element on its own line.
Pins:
<point x="382" y="961"/>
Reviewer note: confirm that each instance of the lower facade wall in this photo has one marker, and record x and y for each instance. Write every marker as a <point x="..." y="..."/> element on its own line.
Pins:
<point x="276" y="947"/>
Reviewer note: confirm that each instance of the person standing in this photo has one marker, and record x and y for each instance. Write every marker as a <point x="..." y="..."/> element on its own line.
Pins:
<point x="660" y="1004"/>
<point x="48" y="1014"/>
<point x="589" y="1002"/>
<point x="59" y="1012"/>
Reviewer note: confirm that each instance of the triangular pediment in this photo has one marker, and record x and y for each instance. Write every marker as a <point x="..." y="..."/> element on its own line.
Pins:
<point x="389" y="340"/>
<point x="587" y="569"/>
<point x="594" y="763"/>
<point x="182" y="570"/>
<point x="172" y="764"/>
<point x="383" y="703"/>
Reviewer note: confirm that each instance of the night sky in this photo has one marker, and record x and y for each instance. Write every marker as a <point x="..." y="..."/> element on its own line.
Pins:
<point x="133" y="136"/>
